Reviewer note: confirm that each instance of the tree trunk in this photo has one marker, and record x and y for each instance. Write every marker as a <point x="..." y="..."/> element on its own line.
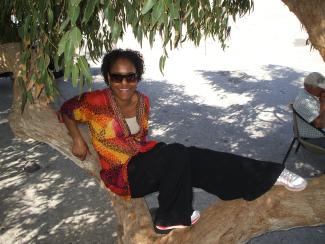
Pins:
<point x="311" y="14"/>
<point x="224" y="222"/>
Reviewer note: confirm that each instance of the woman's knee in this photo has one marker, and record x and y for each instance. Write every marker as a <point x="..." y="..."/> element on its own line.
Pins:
<point x="176" y="153"/>
<point x="177" y="148"/>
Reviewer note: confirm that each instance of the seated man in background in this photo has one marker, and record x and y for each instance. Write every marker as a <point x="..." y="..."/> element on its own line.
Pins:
<point x="310" y="104"/>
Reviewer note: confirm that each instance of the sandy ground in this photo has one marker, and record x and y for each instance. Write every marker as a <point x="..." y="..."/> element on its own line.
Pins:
<point x="234" y="100"/>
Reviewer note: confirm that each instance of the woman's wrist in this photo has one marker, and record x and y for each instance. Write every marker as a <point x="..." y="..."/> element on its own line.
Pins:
<point x="78" y="139"/>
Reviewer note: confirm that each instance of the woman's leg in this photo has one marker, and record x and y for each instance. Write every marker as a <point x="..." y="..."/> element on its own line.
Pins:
<point x="173" y="169"/>
<point x="144" y="172"/>
<point x="166" y="169"/>
<point x="231" y="176"/>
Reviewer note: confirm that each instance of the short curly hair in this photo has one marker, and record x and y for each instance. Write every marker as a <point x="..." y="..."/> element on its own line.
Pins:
<point x="133" y="56"/>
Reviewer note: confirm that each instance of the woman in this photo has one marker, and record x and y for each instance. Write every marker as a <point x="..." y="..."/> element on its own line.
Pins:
<point x="117" y="117"/>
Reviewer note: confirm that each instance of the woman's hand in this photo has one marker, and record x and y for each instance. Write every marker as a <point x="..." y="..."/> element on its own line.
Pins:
<point x="80" y="148"/>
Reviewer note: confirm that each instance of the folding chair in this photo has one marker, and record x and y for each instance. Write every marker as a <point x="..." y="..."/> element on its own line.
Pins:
<point x="308" y="145"/>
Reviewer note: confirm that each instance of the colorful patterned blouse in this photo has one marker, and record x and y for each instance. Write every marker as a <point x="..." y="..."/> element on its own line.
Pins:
<point x="110" y="134"/>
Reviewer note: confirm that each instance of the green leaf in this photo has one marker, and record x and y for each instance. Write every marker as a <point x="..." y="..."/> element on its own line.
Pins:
<point x="129" y="11"/>
<point x="68" y="51"/>
<point x="157" y="11"/>
<point x="165" y="21"/>
<point x="69" y="42"/>
<point x="174" y="11"/>
<point x="48" y="89"/>
<point x="25" y="56"/>
<point x="162" y="61"/>
<point x="176" y="39"/>
<point x="67" y="70"/>
<point x="109" y="14"/>
<point x="64" y="24"/>
<point x="152" y="37"/>
<point x="81" y="84"/>
<point x="41" y="5"/>
<point x="140" y="35"/>
<point x="62" y="43"/>
<point x="29" y="96"/>
<point x="56" y="63"/>
<point x="34" y="79"/>
<point x="84" y="68"/>
<point x="75" y="36"/>
<point x="75" y="2"/>
<point x="26" y="26"/>
<point x="90" y="7"/>
<point x="73" y="13"/>
<point x="148" y="4"/>
<point x="40" y="62"/>
<point x="46" y="59"/>
<point x="75" y="74"/>
<point x="188" y="12"/>
<point x="195" y="12"/>
<point x="50" y="18"/>
<point x="167" y="36"/>
<point x="116" y="31"/>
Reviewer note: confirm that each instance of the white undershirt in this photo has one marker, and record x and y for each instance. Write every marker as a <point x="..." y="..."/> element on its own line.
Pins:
<point x="133" y="125"/>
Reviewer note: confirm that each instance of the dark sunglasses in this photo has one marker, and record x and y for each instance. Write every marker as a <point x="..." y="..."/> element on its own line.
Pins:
<point x="118" y="78"/>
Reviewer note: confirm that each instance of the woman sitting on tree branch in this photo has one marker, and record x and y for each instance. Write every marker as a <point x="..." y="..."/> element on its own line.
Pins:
<point x="132" y="167"/>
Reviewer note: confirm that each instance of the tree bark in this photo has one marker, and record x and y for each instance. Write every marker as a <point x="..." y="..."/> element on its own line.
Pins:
<point x="9" y="57"/>
<point x="224" y="222"/>
<point x="311" y="14"/>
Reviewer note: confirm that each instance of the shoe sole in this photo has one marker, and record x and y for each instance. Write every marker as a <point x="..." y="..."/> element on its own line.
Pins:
<point x="295" y="189"/>
<point x="291" y="189"/>
<point x="167" y="229"/>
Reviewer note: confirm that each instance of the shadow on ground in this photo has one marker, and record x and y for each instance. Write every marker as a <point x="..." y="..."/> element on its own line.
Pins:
<point x="57" y="203"/>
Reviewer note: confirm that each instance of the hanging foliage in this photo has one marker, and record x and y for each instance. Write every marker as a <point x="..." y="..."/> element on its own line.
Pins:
<point x="59" y="32"/>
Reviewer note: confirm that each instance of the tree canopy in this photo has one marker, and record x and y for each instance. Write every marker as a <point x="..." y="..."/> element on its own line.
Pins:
<point x="58" y="32"/>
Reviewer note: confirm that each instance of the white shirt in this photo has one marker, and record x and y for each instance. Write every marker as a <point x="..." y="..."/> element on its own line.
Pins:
<point x="308" y="107"/>
<point x="133" y="125"/>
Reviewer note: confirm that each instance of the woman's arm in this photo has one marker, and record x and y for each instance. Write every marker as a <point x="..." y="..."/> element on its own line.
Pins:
<point x="80" y="109"/>
<point x="79" y="146"/>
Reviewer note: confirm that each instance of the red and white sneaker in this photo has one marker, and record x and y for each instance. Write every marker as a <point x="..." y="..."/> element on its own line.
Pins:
<point x="165" y="229"/>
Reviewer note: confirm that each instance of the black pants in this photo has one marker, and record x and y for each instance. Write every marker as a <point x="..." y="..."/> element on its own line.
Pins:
<point x="173" y="169"/>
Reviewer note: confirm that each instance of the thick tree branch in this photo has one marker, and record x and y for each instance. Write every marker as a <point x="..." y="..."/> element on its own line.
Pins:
<point x="311" y="14"/>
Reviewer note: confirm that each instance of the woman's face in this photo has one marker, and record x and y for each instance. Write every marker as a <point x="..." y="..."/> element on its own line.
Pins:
<point x="123" y="79"/>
